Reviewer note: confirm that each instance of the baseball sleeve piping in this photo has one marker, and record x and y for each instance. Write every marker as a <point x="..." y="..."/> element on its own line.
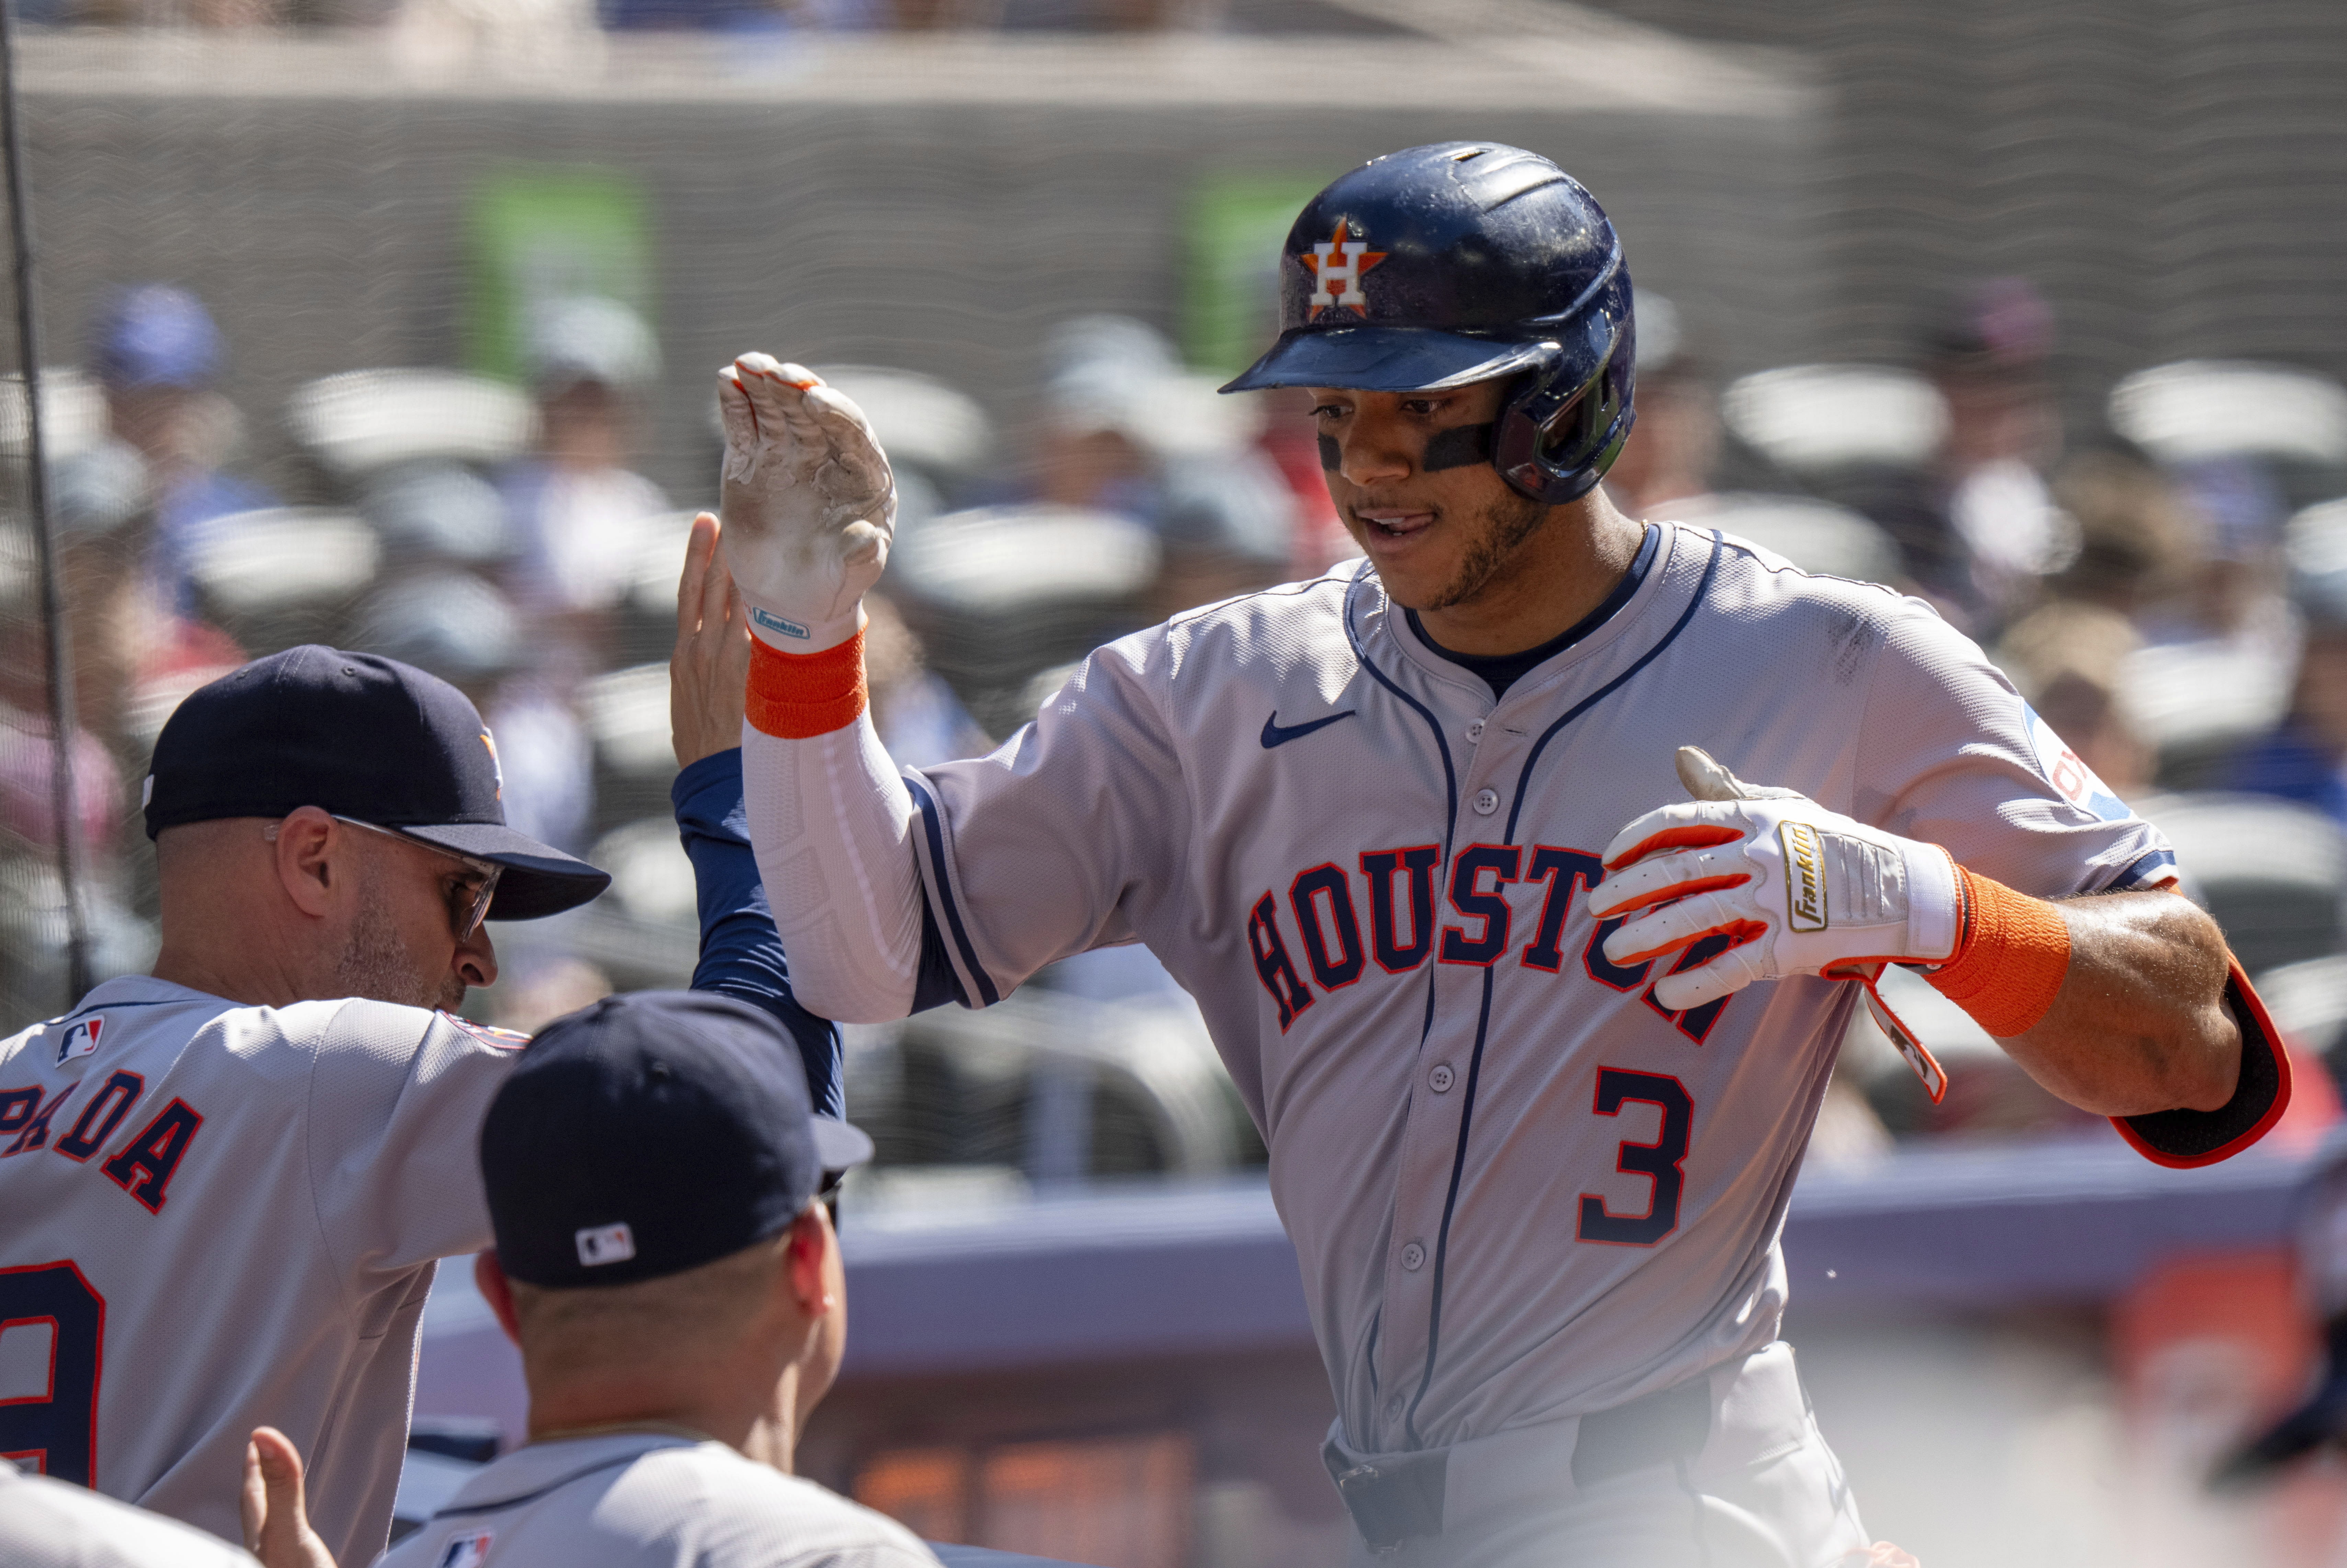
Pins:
<point x="2140" y="872"/>
<point x="960" y="951"/>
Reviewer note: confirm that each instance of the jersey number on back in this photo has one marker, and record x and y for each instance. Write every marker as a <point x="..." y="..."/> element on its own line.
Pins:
<point x="55" y="1427"/>
<point x="1658" y="1161"/>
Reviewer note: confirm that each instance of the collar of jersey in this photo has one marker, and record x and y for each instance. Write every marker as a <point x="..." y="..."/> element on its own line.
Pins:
<point x="135" y="991"/>
<point x="1435" y="667"/>
<point x="536" y="1468"/>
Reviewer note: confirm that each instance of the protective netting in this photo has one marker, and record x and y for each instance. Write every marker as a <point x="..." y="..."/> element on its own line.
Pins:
<point x="392" y="325"/>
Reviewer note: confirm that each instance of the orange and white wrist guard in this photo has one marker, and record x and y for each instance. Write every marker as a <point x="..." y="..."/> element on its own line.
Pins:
<point x="798" y="696"/>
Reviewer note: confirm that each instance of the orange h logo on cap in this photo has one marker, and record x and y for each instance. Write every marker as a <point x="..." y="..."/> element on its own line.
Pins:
<point x="1337" y="262"/>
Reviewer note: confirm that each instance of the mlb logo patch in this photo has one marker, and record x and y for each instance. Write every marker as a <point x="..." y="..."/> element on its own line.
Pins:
<point x="81" y="1040"/>
<point x="466" y="1551"/>
<point x="606" y="1244"/>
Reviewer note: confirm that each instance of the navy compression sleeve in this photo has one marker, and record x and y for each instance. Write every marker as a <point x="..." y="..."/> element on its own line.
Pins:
<point x="741" y="951"/>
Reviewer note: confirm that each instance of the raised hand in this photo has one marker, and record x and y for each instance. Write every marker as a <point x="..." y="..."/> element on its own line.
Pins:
<point x="808" y="502"/>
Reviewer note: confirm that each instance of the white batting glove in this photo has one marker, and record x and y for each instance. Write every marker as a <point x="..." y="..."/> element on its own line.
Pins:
<point x="1801" y="890"/>
<point x="808" y="500"/>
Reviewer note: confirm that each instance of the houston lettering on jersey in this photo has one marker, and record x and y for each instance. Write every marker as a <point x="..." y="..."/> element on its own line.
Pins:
<point x="141" y="1166"/>
<point x="1398" y="887"/>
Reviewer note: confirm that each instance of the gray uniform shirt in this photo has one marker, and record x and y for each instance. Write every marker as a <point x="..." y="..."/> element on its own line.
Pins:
<point x="1520" y="1190"/>
<point x="215" y="1217"/>
<point x="640" y="1500"/>
<point x="48" y="1523"/>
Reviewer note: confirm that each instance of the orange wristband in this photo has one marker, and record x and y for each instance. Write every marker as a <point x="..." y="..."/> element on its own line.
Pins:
<point x="2010" y="958"/>
<point x="798" y="696"/>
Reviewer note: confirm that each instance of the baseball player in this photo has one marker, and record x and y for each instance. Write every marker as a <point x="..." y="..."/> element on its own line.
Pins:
<point x="679" y="1303"/>
<point x="226" y="1184"/>
<point x="1535" y="1040"/>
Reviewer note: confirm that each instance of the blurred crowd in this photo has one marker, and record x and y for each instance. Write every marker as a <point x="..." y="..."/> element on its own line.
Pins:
<point x="502" y="538"/>
<point x="545" y="16"/>
<point x="2166" y="584"/>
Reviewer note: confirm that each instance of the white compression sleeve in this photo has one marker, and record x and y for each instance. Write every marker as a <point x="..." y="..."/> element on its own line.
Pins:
<point x="832" y="824"/>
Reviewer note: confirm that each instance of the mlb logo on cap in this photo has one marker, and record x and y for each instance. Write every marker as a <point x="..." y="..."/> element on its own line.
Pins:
<point x="466" y="1551"/>
<point x="606" y="1244"/>
<point x="81" y="1040"/>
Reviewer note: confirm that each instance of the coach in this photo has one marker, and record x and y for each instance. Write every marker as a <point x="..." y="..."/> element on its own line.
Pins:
<point x="227" y="1184"/>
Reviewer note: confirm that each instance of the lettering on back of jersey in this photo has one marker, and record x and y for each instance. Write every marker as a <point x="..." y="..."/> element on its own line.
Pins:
<point x="24" y="1113"/>
<point x="469" y="1550"/>
<point x="1805" y="877"/>
<point x="144" y="1166"/>
<point x="81" y="1040"/>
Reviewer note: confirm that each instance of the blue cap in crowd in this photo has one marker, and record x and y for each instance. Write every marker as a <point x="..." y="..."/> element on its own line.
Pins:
<point x="361" y="736"/>
<point x="156" y="335"/>
<point x="649" y="1133"/>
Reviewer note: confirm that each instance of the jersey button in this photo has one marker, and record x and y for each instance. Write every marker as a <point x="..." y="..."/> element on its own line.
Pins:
<point x="1475" y="731"/>
<point x="1441" y="1078"/>
<point x="1487" y="801"/>
<point x="1413" y="1257"/>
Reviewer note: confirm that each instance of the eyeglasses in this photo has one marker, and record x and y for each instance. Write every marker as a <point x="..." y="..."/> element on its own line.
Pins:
<point x="468" y="904"/>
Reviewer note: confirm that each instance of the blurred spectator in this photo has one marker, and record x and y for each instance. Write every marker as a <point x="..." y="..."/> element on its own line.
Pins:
<point x="1980" y="528"/>
<point x="1676" y="440"/>
<point x="1126" y="429"/>
<point x="158" y="354"/>
<point x="1227" y="527"/>
<point x="2305" y="757"/>
<point x="581" y="518"/>
<point x="454" y="625"/>
<point x="131" y="647"/>
<point x="2136" y="547"/>
<point x="2232" y="594"/>
<point x="2069" y="659"/>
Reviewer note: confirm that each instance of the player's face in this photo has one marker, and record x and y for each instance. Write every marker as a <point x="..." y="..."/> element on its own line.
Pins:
<point x="1437" y="535"/>
<point x="404" y="944"/>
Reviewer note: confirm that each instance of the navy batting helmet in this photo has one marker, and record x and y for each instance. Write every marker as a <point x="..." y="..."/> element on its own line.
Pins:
<point x="1436" y="266"/>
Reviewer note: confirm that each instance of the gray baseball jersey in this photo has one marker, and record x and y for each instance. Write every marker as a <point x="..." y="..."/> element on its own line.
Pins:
<point x="1519" y="1188"/>
<point x="219" y="1217"/>
<point x="640" y="1500"/>
<point x="48" y="1523"/>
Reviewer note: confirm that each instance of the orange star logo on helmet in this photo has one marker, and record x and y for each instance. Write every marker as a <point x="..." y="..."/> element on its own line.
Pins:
<point x="1338" y="263"/>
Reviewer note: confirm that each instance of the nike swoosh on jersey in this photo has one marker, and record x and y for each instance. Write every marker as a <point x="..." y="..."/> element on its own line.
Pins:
<point x="1275" y="733"/>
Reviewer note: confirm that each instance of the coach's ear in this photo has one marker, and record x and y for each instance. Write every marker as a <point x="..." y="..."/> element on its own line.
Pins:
<point x="308" y="841"/>
<point x="489" y="1276"/>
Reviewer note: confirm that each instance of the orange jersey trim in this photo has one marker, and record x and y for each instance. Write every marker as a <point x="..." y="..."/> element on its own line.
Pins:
<point x="2009" y="961"/>
<point x="798" y="696"/>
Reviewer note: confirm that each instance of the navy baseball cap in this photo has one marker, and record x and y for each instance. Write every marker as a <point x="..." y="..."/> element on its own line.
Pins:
<point x="649" y="1133"/>
<point x="364" y="737"/>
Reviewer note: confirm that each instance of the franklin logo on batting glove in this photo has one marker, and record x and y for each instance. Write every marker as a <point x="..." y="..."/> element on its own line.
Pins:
<point x="1794" y="888"/>
<point x="1805" y="886"/>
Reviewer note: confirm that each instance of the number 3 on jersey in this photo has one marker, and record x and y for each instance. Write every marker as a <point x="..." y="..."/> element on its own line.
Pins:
<point x="1658" y="1161"/>
<point x="55" y="1421"/>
